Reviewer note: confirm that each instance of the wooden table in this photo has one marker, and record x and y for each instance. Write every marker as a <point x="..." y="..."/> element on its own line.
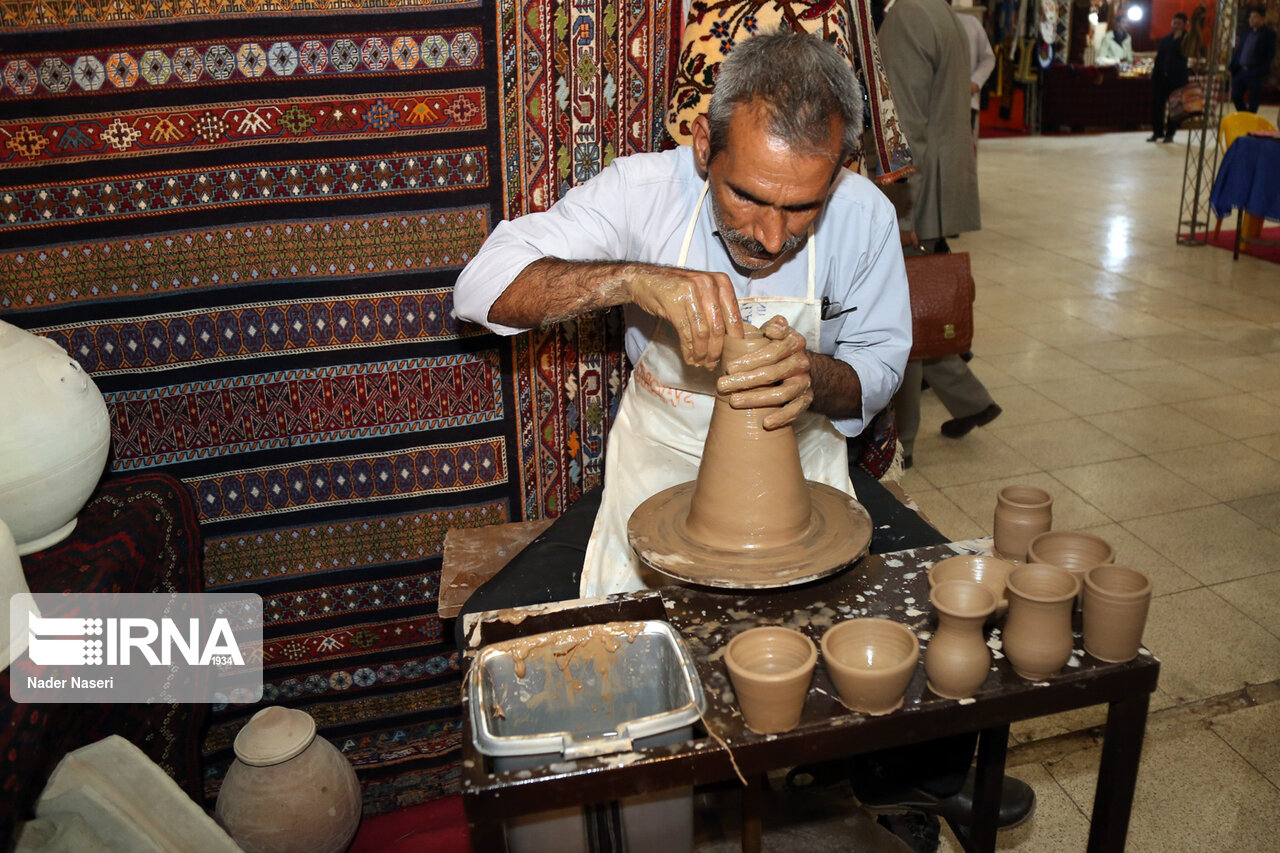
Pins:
<point x="892" y="585"/>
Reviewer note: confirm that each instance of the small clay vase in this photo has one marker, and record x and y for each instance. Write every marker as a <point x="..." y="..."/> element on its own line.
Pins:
<point x="991" y="572"/>
<point x="743" y="507"/>
<point x="288" y="791"/>
<point x="1116" y="599"/>
<point x="871" y="662"/>
<point x="1037" y="633"/>
<point x="1073" y="550"/>
<point x="1022" y="512"/>
<point x="771" y="668"/>
<point x="957" y="660"/>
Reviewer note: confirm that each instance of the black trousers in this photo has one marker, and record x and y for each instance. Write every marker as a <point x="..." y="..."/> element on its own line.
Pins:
<point x="1160" y="92"/>
<point x="550" y="568"/>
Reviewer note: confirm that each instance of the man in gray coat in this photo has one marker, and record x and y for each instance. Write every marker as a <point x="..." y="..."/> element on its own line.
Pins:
<point x="926" y="56"/>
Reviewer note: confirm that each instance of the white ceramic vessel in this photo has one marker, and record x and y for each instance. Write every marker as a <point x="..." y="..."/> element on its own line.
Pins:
<point x="54" y="438"/>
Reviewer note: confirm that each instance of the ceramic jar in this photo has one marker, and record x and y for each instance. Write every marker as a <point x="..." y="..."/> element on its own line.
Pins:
<point x="957" y="660"/>
<point x="12" y="582"/>
<point x="54" y="438"/>
<point x="979" y="568"/>
<point x="288" y="791"/>
<point x="1116" y="599"/>
<point x="771" y="668"/>
<point x="1022" y="512"/>
<point x="1037" y="633"/>
<point x="1073" y="550"/>
<point x="871" y="662"/>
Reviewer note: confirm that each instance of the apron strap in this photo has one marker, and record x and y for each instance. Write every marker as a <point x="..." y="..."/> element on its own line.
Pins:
<point x="693" y="222"/>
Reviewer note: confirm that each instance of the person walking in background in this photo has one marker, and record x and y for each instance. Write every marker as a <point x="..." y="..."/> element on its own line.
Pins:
<point x="982" y="61"/>
<point x="1168" y="75"/>
<point x="926" y="57"/>
<point x="1251" y="60"/>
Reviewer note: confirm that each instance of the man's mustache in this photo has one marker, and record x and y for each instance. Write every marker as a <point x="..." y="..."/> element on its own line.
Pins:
<point x="756" y="248"/>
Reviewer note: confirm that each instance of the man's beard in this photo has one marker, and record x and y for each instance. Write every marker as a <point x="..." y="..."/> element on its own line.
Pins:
<point x="751" y="254"/>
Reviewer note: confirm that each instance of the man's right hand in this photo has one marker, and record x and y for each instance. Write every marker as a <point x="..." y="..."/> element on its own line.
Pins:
<point x="701" y="306"/>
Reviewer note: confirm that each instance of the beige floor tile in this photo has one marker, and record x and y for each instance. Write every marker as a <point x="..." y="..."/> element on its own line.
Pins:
<point x="1043" y="365"/>
<point x="1070" y="333"/>
<point x="1166" y="576"/>
<point x="1268" y="444"/>
<point x="1251" y="732"/>
<point x="990" y="375"/>
<point x="1194" y="793"/>
<point x="1214" y="543"/>
<point x="1003" y="339"/>
<point x="1247" y="372"/>
<point x="1168" y="385"/>
<point x="1132" y="488"/>
<point x="1264" y="509"/>
<point x="1155" y="428"/>
<point x="1062" y="444"/>
<point x="1136" y="325"/>
<point x="1189" y="347"/>
<point x="1116" y="356"/>
<point x="948" y="518"/>
<point x="977" y="457"/>
<point x="1091" y="395"/>
<point x="1058" y="826"/>
<point x="978" y="500"/>
<point x="1256" y="597"/>
<point x="1237" y="415"/>
<point x="1228" y="471"/>
<point x="1205" y="647"/>
<point x="1022" y="404"/>
<point x="1271" y="398"/>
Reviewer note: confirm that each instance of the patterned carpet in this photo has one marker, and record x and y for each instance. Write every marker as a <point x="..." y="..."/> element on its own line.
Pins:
<point x="245" y="219"/>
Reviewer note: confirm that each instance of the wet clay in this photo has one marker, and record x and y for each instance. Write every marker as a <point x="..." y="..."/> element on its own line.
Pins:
<point x="750" y="519"/>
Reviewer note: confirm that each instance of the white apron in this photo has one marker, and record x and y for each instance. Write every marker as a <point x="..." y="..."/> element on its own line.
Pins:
<point x="656" y="441"/>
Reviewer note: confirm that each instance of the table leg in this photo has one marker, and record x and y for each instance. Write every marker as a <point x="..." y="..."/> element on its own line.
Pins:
<point x="752" y="796"/>
<point x="1118" y="774"/>
<point x="1235" y="255"/>
<point x="485" y="828"/>
<point x="987" y="787"/>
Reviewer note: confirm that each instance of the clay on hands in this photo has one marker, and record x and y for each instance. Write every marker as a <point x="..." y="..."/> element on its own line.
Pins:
<point x="773" y="376"/>
<point x="701" y="306"/>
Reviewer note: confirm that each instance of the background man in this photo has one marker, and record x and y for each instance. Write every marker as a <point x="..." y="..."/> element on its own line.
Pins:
<point x="1169" y="74"/>
<point x="1251" y="60"/>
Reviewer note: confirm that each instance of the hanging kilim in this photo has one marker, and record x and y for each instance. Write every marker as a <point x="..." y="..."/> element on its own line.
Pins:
<point x="581" y="83"/>
<point x="714" y="26"/>
<point x="245" y="220"/>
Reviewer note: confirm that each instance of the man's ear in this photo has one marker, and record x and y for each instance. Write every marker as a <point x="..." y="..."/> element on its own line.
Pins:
<point x="702" y="143"/>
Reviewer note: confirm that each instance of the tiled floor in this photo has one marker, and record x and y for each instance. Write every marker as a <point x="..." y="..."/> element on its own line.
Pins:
<point x="1140" y="382"/>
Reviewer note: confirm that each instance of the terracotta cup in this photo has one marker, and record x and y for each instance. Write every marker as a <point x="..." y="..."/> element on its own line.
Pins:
<point x="991" y="572"/>
<point x="871" y="661"/>
<point x="958" y="659"/>
<point x="1022" y="512"/>
<point x="1037" y="633"/>
<point x="771" y="668"/>
<point x="1073" y="550"/>
<point x="1116" y="599"/>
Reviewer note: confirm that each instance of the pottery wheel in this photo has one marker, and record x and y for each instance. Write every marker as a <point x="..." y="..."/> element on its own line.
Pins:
<point x="839" y="533"/>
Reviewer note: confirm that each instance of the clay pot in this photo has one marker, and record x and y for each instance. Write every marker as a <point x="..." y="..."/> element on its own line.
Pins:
<point x="288" y="791"/>
<point x="871" y="661"/>
<point x="742" y="507"/>
<point x="979" y="568"/>
<point x="957" y="659"/>
<point x="1022" y="512"/>
<point x="13" y="641"/>
<point x="1073" y="550"/>
<point x="1116" y="599"/>
<point x="1037" y="633"/>
<point x="54" y="439"/>
<point x="771" y="668"/>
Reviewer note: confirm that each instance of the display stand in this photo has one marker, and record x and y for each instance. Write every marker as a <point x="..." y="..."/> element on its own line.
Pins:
<point x="1201" y="163"/>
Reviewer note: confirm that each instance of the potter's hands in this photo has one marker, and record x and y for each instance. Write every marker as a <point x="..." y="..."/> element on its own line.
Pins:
<point x="701" y="306"/>
<point x="775" y="375"/>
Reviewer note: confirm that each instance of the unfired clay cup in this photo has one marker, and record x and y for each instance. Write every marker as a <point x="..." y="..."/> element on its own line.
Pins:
<point x="991" y="572"/>
<point x="1116" y="599"/>
<point x="871" y="661"/>
<point x="1037" y="633"/>
<point x="771" y="668"/>
<point x="1022" y="512"/>
<point x="1073" y="550"/>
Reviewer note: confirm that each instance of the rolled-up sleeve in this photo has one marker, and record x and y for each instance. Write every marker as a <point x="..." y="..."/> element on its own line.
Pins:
<point x="587" y="224"/>
<point x="875" y="340"/>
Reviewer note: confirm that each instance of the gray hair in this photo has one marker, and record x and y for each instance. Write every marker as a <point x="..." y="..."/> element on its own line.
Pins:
<point x="800" y="80"/>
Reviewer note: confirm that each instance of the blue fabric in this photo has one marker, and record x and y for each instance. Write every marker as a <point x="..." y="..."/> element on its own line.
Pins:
<point x="1249" y="178"/>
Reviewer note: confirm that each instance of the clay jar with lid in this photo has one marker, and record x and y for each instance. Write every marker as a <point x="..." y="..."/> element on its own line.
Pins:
<point x="1037" y="634"/>
<point x="771" y="668"/>
<point x="1022" y="512"/>
<point x="957" y="660"/>
<point x="288" y="791"/>
<point x="743" y="507"/>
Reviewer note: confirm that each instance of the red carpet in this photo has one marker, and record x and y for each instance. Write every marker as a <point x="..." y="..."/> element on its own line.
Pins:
<point x="438" y="826"/>
<point x="1226" y="240"/>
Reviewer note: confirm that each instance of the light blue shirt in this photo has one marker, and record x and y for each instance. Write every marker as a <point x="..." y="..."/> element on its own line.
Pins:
<point x="638" y="208"/>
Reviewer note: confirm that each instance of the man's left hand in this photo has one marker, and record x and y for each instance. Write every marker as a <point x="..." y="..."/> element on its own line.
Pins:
<point x="775" y="376"/>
